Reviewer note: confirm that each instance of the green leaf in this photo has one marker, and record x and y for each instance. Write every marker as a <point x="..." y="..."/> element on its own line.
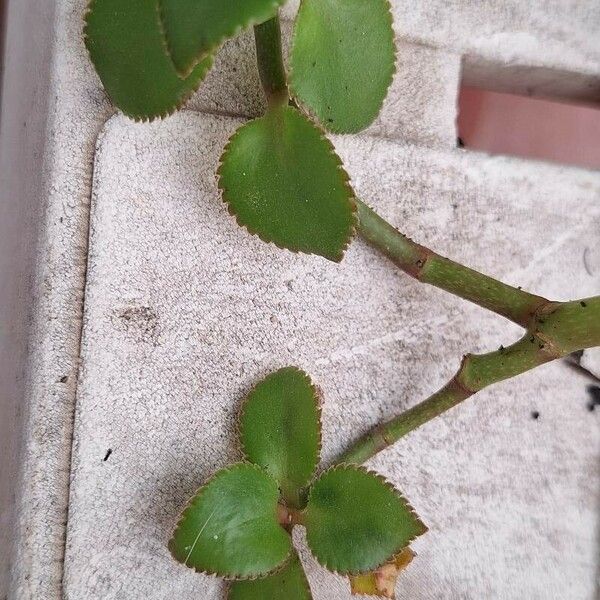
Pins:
<point x="280" y="430"/>
<point x="289" y="583"/>
<point x="283" y="181"/>
<point x="230" y="527"/>
<point x="342" y="60"/>
<point x="355" y="521"/>
<point x="125" y="44"/>
<point x="196" y="28"/>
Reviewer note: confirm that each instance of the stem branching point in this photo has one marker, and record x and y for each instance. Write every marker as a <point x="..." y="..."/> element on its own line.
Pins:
<point x="556" y="330"/>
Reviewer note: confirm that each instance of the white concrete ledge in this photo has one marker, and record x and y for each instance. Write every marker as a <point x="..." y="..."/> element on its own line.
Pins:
<point x="562" y="38"/>
<point x="185" y="311"/>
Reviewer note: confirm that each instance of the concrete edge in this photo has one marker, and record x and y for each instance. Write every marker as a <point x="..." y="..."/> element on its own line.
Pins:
<point x="31" y="531"/>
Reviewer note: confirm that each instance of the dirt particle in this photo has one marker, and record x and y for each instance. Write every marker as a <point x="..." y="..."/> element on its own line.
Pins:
<point x="64" y="379"/>
<point x="107" y="455"/>
<point x="594" y="392"/>
<point x="139" y="322"/>
<point x="535" y="415"/>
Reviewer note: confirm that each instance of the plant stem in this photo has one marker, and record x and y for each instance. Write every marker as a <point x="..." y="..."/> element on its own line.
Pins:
<point x="269" y="57"/>
<point x="414" y="259"/>
<point x="557" y="329"/>
<point x="427" y="266"/>
<point x="553" y="329"/>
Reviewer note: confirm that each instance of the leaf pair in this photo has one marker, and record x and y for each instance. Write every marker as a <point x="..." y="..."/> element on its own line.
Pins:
<point x="342" y="56"/>
<point x="279" y="175"/>
<point x="128" y="43"/>
<point x="152" y="54"/>
<point x="233" y="527"/>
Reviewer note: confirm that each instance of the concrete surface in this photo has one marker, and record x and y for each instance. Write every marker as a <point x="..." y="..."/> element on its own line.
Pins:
<point x="544" y="47"/>
<point x="554" y="44"/>
<point x="25" y="83"/>
<point x="184" y="312"/>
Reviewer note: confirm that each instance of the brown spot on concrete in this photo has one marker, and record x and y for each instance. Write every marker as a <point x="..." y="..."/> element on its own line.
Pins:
<point x="141" y="323"/>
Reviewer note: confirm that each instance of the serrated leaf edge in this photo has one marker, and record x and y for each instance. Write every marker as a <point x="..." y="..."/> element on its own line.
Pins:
<point x="169" y="111"/>
<point x="309" y="112"/>
<point x="213" y="477"/>
<point x="279" y="569"/>
<point x="317" y="394"/>
<point x="390" y="486"/>
<point x="345" y="182"/>
<point x="275" y="6"/>
<point x="304" y="576"/>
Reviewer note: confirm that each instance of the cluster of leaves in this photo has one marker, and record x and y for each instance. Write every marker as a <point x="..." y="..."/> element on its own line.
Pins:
<point x="239" y="524"/>
<point x="279" y="175"/>
<point x="282" y="180"/>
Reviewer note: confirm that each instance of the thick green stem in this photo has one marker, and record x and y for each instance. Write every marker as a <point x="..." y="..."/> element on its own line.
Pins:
<point x="427" y="266"/>
<point x="556" y="330"/>
<point x="270" y="61"/>
<point x="414" y="259"/>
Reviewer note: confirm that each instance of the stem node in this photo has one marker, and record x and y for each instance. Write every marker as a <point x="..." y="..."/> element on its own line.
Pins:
<point x="558" y="329"/>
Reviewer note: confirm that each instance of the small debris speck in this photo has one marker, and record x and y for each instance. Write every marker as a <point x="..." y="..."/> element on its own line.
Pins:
<point x="535" y="415"/>
<point x="107" y="455"/>
<point x="594" y="392"/>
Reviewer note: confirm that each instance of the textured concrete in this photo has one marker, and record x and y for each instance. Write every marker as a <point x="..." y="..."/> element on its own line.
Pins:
<point x="544" y="47"/>
<point x="24" y="82"/>
<point x="536" y="41"/>
<point x="77" y="108"/>
<point x="417" y="108"/>
<point x="540" y="47"/>
<point x="185" y="311"/>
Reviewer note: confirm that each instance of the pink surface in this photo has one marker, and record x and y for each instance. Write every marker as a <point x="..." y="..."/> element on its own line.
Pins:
<point x="530" y="127"/>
